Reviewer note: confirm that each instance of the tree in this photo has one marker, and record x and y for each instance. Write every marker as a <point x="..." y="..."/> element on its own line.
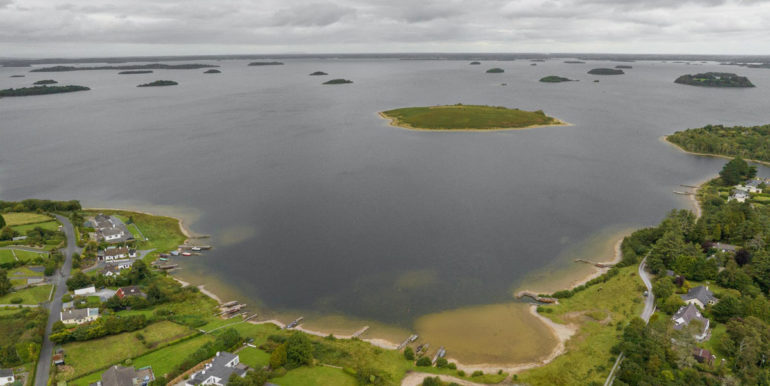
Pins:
<point x="278" y="357"/>
<point x="5" y="283"/>
<point x="742" y="257"/>
<point x="2" y="222"/>
<point x="441" y="363"/>
<point x="663" y="288"/>
<point x="409" y="354"/>
<point x="79" y="280"/>
<point x="671" y="304"/>
<point x="424" y="362"/>
<point x="729" y="306"/>
<point x="299" y="350"/>
<point x="736" y="171"/>
<point x="139" y="272"/>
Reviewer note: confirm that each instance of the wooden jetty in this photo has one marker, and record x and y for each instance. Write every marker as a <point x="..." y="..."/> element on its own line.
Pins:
<point x="536" y="297"/>
<point x="295" y="323"/>
<point x="197" y="247"/>
<point x="230" y="304"/>
<point x="408" y="340"/>
<point x="439" y="354"/>
<point x="359" y="332"/>
<point x="598" y="265"/>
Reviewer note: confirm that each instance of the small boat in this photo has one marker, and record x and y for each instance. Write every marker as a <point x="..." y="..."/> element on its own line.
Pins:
<point x="163" y="259"/>
<point x="186" y="254"/>
<point x="163" y="255"/>
<point x="174" y="253"/>
<point x="196" y="249"/>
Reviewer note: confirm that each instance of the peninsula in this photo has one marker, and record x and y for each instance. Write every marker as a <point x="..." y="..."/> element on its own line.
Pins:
<point x="554" y="79"/>
<point x="738" y="141"/>
<point x="461" y="117"/>
<point x="132" y="72"/>
<point x="266" y="64"/>
<point x="606" y="71"/>
<point x="715" y="79"/>
<point x="40" y="90"/>
<point x="338" y="81"/>
<point x="152" y="66"/>
<point x="495" y="70"/>
<point x="159" y="83"/>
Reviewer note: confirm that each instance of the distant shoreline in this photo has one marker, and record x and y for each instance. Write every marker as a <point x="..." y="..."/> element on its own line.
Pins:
<point x="665" y="138"/>
<point x="396" y="123"/>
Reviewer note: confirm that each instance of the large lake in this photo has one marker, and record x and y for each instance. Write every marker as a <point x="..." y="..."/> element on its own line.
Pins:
<point x="316" y="204"/>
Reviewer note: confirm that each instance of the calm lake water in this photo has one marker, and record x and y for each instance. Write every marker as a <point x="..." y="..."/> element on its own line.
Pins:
<point x="315" y="204"/>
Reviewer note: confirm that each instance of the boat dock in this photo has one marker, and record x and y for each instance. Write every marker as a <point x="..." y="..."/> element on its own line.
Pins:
<point x="536" y="297"/>
<point x="295" y="323"/>
<point x="439" y="354"/>
<point x="359" y="332"/>
<point x="598" y="265"/>
<point x="408" y="340"/>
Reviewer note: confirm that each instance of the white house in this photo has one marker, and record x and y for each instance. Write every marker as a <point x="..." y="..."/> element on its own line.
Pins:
<point x="79" y="316"/>
<point x="218" y="371"/>
<point x="85" y="291"/>
<point x="739" y="195"/>
<point x="6" y="377"/>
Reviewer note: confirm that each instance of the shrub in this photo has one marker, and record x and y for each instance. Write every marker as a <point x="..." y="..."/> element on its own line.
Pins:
<point x="409" y="354"/>
<point x="477" y="373"/>
<point x="424" y="362"/>
<point x="441" y="363"/>
<point x="461" y="373"/>
<point x="16" y="300"/>
<point x="451" y="366"/>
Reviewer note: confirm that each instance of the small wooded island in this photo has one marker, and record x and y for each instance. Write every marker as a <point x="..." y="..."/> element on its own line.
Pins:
<point x="715" y="79"/>
<point x="45" y="81"/>
<point x="624" y="66"/>
<point x="17" y="76"/>
<point x="40" y="90"/>
<point x="133" y="72"/>
<point x="495" y="70"/>
<point x="554" y="79"/>
<point x="338" y="81"/>
<point x="475" y="63"/>
<point x="265" y="64"/>
<point x="212" y="71"/>
<point x="461" y="117"/>
<point x="159" y="83"/>
<point x="318" y="73"/>
<point x="606" y="71"/>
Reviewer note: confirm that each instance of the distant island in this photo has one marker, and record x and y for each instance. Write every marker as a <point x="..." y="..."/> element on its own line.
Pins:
<point x="159" y="83"/>
<point x="554" y="79"/>
<point x="40" y="90"/>
<point x="606" y="71"/>
<point x="265" y="64"/>
<point x="212" y="71"/>
<point x="738" y="141"/>
<point x="318" y="73"/>
<point x="714" y="79"/>
<point x="135" y="72"/>
<point x="624" y="66"/>
<point x="17" y="76"/>
<point x="495" y="70"/>
<point x="152" y="66"/>
<point x="45" y="81"/>
<point x="574" y="62"/>
<point x="338" y="81"/>
<point x="475" y="63"/>
<point x="461" y="117"/>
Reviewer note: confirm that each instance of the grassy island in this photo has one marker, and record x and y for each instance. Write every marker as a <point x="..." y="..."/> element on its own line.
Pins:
<point x="152" y="66"/>
<point x="467" y="118"/>
<point x="45" y="81"/>
<point x="554" y="79"/>
<point x="338" y="81"/>
<point x="738" y="141"/>
<point x="318" y="73"/>
<point x="159" y="83"/>
<point x="133" y="72"/>
<point x="475" y="63"/>
<point x="40" y="90"/>
<point x="266" y="64"/>
<point x="212" y="71"/>
<point x="606" y="71"/>
<point x="495" y="70"/>
<point x="714" y="79"/>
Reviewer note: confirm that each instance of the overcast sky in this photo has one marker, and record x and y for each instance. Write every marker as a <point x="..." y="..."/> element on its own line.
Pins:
<point x="44" y="28"/>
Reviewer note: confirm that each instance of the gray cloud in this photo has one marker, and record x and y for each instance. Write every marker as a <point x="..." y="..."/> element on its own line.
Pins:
<point x="137" y="27"/>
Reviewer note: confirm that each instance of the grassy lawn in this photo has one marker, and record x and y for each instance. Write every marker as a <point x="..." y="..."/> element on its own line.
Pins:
<point x="163" y="233"/>
<point x="466" y="117"/>
<point x="29" y="255"/>
<point x="162" y="361"/>
<point x="713" y="343"/>
<point x="49" y="225"/>
<point x="23" y="271"/>
<point x="32" y="295"/>
<point x="254" y="357"/>
<point x="6" y="256"/>
<point x="23" y="218"/>
<point x="86" y="357"/>
<point x="597" y="311"/>
<point x="315" y="376"/>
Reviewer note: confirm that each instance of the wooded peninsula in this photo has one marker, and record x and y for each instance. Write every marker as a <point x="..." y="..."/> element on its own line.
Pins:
<point x="747" y="142"/>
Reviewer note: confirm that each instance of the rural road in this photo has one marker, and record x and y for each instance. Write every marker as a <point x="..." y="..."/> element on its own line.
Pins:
<point x="54" y="306"/>
<point x="649" y="308"/>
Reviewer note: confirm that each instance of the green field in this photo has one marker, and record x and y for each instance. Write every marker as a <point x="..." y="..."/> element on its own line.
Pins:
<point x="467" y="117"/>
<point x="23" y="271"/>
<point x="315" y="376"/>
<point x="49" y="225"/>
<point x="23" y="218"/>
<point x="254" y="357"/>
<point x="597" y="311"/>
<point x="86" y="357"/>
<point x="32" y="295"/>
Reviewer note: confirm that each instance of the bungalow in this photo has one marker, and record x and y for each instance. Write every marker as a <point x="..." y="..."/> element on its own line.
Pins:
<point x="114" y="253"/>
<point x="112" y="234"/>
<point x="753" y="185"/>
<point x="686" y="315"/>
<point x="218" y="371"/>
<point x="699" y="296"/>
<point x="126" y="376"/>
<point x="79" y="316"/>
<point x="703" y="356"/>
<point x="129" y="291"/>
<point x="739" y="195"/>
<point x="85" y="291"/>
<point x="6" y="377"/>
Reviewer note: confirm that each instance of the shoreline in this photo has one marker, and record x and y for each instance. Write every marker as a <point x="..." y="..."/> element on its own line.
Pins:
<point x="395" y="123"/>
<point x="665" y="139"/>
<point x="182" y="226"/>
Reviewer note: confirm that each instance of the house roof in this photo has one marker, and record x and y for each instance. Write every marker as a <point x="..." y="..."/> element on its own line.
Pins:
<point x="110" y="268"/>
<point x="131" y="291"/>
<point x="115" y="251"/>
<point x="111" y="231"/>
<point x="82" y="313"/>
<point x="701" y="293"/>
<point x="685" y="315"/>
<point x="701" y="353"/>
<point x="217" y="368"/>
<point x="119" y="376"/>
<point x="6" y="373"/>
<point x="726" y="247"/>
<point x="754" y="183"/>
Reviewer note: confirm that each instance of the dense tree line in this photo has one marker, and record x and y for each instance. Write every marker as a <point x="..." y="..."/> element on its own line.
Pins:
<point x="35" y="205"/>
<point x="751" y="142"/>
<point x="105" y="325"/>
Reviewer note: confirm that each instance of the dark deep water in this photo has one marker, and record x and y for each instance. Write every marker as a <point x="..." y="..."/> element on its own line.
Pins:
<point x="315" y="203"/>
